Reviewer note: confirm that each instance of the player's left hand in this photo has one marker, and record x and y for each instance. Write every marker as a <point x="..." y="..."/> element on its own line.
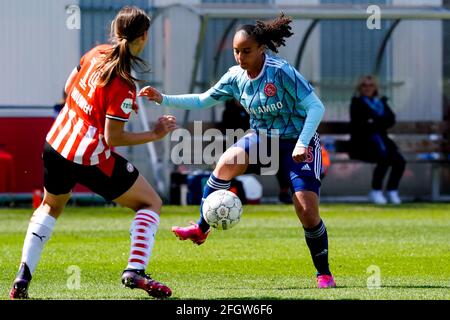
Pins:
<point x="299" y="154"/>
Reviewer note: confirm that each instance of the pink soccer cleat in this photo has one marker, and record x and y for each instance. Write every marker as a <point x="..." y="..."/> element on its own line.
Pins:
<point x="193" y="233"/>
<point x="325" y="282"/>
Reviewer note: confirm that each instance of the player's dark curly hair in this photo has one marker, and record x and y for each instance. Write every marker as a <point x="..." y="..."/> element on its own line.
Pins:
<point x="272" y="33"/>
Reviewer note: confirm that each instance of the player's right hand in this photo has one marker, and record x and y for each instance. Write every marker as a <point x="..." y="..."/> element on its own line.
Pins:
<point x="299" y="154"/>
<point x="151" y="93"/>
<point x="164" y="125"/>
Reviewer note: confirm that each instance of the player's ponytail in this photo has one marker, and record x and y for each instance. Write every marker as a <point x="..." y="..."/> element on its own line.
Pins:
<point x="272" y="33"/>
<point x="129" y="24"/>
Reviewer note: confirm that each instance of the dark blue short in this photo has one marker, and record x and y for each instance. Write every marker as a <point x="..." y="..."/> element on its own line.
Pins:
<point x="266" y="158"/>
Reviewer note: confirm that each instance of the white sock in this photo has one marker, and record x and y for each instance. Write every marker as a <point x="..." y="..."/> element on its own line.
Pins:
<point x="142" y="232"/>
<point x="39" y="231"/>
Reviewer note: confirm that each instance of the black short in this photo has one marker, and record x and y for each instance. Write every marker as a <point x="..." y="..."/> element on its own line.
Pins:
<point x="110" y="179"/>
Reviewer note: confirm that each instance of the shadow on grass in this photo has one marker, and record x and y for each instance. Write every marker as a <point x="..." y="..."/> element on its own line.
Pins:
<point x="238" y="297"/>
<point x="179" y="299"/>
<point x="260" y="298"/>
<point x="415" y="287"/>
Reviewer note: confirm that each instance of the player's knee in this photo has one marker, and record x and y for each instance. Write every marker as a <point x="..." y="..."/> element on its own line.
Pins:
<point x="233" y="156"/>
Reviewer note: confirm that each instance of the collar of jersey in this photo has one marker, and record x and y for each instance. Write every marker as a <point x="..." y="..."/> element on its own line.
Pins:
<point x="262" y="70"/>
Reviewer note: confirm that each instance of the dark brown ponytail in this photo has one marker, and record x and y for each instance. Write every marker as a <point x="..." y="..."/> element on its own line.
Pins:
<point x="129" y="24"/>
<point x="272" y="33"/>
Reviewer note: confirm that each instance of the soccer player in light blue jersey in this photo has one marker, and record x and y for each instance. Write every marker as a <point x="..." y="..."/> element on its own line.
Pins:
<point x="282" y="105"/>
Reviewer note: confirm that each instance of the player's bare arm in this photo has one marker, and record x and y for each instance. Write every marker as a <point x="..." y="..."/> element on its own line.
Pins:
<point x="115" y="134"/>
<point x="71" y="79"/>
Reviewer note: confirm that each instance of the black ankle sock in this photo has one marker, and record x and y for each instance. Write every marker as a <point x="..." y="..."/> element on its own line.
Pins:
<point x="24" y="272"/>
<point x="203" y="225"/>
<point x="317" y="241"/>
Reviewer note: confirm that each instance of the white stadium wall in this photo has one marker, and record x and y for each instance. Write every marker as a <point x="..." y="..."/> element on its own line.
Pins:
<point x="38" y="52"/>
<point x="417" y="67"/>
<point x="310" y="67"/>
<point x="176" y="33"/>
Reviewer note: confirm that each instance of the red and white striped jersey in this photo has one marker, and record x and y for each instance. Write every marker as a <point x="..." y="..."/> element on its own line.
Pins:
<point x="78" y="131"/>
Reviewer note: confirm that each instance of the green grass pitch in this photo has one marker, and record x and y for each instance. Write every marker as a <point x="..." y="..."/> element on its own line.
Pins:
<point x="264" y="257"/>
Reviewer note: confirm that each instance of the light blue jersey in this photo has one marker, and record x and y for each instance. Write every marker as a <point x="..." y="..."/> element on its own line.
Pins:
<point x="278" y="98"/>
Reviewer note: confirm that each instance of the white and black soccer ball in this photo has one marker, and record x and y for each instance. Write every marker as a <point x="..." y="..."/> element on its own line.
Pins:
<point x="222" y="209"/>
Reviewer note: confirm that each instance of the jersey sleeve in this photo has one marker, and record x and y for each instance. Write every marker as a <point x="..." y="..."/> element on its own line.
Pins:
<point x="120" y="101"/>
<point x="314" y="114"/>
<point x="305" y="99"/>
<point x="222" y="91"/>
<point x="294" y="83"/>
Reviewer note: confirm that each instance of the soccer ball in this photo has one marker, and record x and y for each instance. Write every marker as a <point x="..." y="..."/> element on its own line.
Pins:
<point x="222" y="209"/>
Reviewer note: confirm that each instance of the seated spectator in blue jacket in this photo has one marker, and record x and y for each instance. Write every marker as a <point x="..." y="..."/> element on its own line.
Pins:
<point x="370" y="118"/>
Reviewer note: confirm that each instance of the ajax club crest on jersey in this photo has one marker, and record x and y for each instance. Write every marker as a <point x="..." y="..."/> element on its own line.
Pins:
<point x="270" y="90"/>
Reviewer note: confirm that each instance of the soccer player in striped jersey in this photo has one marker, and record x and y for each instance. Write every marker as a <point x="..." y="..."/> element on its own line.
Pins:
<point x="101" y="96"/>
<point x="278" y="99"/>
